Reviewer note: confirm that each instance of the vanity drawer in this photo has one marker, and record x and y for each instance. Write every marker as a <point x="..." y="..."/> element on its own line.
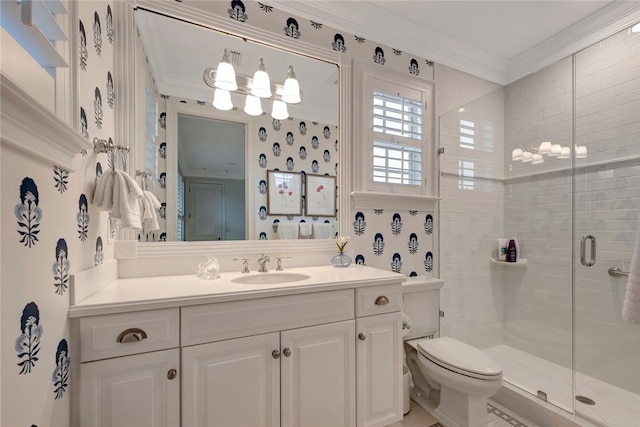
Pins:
<point x="123" y="334"/>
<point x="378" y="299"/>
<point x="234" y="319"/>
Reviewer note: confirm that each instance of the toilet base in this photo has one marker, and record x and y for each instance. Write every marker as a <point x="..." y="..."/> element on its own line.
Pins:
<point x="455" y="409"/>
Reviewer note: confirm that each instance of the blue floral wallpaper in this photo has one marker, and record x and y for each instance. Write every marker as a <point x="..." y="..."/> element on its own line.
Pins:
<point x="52" y="232"/>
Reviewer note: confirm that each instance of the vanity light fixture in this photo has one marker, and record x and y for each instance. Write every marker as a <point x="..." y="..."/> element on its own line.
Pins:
<point x="261" y="86"/>
<point x="545" y="148"/>
<point x="516" y="154"/>
<point x="279" y="110"/>
<point x="225" y="74"/>
<point x="565" y="153"/>
<point x="253" y="105"/>
<point x="527" y="157"/>
<point x="222" y="100"/>
<point x="556" y="150"/>
<point x="291" y="90"/>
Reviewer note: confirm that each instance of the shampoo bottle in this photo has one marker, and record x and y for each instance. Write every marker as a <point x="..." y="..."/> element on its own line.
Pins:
<point x="512" y="251"/>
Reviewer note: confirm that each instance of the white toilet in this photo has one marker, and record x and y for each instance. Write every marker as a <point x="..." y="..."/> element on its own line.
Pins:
<point x="452" y="380"/>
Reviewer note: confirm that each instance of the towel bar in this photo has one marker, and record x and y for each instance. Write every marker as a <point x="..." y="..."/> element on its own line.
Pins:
<point x="617" y="272"/>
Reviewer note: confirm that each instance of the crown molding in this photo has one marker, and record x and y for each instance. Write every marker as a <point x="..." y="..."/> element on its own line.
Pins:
<point x="29" y="126"/>
<point x="377" y="200"/>
<point x="449" y="51"/>
<point x="606" y="22"/>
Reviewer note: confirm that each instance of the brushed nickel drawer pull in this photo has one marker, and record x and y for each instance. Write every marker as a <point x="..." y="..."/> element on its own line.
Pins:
<point x="286" y="352"/>
<point x="131" y="335"/>
<point x="172" y="374"/>
<point x="362" y="336"/>
<point x="382" y="300"/>
<point x="275" y="354"/>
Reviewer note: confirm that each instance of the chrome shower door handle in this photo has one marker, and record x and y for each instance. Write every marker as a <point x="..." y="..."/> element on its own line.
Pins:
<point x="583" y="250"/>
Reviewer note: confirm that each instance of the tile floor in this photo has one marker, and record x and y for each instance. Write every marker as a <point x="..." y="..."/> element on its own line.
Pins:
<point x="614" y="406"/>
<point x="499" y="416"/>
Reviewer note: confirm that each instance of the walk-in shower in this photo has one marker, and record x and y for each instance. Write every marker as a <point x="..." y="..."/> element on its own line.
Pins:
<point x="554" y="318"/>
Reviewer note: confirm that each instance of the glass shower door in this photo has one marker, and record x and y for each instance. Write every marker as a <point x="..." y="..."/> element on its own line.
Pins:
<point x="607" y="203"/>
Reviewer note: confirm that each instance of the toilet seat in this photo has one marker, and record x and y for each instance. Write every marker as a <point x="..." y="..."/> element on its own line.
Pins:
<point x="459" y="357"/>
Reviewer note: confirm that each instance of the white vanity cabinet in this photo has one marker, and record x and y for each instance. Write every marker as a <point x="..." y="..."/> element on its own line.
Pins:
<point x="126" y="388"/>
<point x="296" y="359"/>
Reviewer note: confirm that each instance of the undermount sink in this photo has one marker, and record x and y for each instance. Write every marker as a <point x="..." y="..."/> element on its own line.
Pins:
<point x="270" y="278"/>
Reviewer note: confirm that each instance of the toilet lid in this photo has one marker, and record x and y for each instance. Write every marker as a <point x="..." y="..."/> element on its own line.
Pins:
<point x="459" y="356"/>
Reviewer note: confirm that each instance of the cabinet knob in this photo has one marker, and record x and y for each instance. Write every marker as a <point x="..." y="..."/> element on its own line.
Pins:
<point x="172" y="374"/>
<point x="131" y="335"/>
<point x="275" y="354"/>
<point x="286" y="352"/>
<point x="382" y="300"/>
<point x="362" y="336"/>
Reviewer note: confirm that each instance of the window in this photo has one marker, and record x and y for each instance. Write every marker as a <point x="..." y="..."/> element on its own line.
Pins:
<point x="467" y="134"/>
<point x="34" y="44"/>
<point x="466" y="175"/>
<point x="398" y="134"/>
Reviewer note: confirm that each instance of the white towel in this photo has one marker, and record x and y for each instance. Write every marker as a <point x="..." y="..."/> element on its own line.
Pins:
<point x="126" y="210"/>
<point x="149" y="206"/>
<point x="631" y="304"/>
<point x="288" y="230"/>
<point x="322" y="231"/>
<point x="305" y="230"/>
<point x="103" y="193"/>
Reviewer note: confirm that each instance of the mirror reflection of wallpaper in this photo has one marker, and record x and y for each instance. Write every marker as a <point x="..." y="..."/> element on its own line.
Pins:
<point x="289" y="145"/>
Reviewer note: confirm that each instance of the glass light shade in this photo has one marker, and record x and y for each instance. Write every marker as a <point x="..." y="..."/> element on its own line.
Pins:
<point x="556" y="150"/>
<point x="565" y="153"/>
<point x="545" y="148"/>
<point x="516" y="154"/>
<point x="537" y="159"/>
<point x="261" y="86"/>
<point x="279" y="110"/>
<point x="225" y="74"/>
<point x="581" y="151"/>
<point x="225" y="77"/>
<point x="222" y="100"/>
<point x="527" y="157"/>
<point x="636" y="28"/>
<point x="253" y="106"/>
<point x="291" y="90"/>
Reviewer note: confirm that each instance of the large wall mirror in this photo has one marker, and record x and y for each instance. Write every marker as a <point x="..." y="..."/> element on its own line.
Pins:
<point x="210" y="166"/>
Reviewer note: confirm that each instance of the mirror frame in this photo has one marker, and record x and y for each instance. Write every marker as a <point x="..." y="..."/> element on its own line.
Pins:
<point x="124" y="69"/>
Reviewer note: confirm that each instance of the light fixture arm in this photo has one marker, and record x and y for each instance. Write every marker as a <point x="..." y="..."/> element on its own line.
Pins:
<point x="244" y="84"/>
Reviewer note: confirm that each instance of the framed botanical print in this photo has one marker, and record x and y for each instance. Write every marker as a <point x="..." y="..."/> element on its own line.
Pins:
<point x="320" y="195"/>
<point x="284" y="193"/>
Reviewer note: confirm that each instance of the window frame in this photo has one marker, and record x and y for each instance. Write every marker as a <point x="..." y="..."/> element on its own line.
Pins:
<point x="374" y="79"/>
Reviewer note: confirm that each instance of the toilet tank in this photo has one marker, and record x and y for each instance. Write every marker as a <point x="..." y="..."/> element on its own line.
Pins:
<point x="421" y="303"/>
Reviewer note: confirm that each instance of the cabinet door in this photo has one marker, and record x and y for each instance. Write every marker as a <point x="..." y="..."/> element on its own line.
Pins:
<point x="233" y="383"/>
<point x="318" y="376"/>
<point x="379" y="361"/>
<point x="131" y="391"/>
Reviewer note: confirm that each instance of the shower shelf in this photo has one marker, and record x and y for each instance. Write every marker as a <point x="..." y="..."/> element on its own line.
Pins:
<point x="520" y="263"/>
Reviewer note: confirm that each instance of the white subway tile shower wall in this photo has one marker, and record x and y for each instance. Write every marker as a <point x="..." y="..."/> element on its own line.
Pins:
<point x="472" y="219"/>
<point x="607" y="206"/>
<point x="538" y="210"/>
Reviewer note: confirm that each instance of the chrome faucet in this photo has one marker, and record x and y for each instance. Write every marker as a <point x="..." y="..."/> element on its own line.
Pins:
<point x="262" y="263"/>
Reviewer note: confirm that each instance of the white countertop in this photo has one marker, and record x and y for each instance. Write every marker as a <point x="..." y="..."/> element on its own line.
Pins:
<point x="127" y="295"/>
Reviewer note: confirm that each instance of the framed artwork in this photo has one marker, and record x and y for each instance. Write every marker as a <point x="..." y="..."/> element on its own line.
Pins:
<point x="284" y="193"/>
<point x="321" y="195"/>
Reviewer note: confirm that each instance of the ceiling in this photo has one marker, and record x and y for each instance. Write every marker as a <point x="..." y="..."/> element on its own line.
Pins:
<point x="498" y="40"/>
